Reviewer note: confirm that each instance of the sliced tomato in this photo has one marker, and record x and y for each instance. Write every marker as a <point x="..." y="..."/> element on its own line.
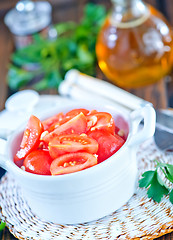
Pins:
<point x="31" y="138"/>
<point x="100" y="120"/>
<point x="72" y="143"/>
<point x="92" y="112"/>
<point x="108" y="143"/>
<point x="77" y="124"/>
<point x="76" y="111"/>
<point x="50" y="123"/>
<point x="72" y="162"/>
<point x="38" y="162"/>
<point x="71" y="114"/>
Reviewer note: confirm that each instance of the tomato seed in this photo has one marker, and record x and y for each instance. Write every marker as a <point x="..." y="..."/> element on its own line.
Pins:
<point x="43" y="135"/>
<point x="83" y="135"/>
<point x="23" y="168"/>
<point x="121" y="133"/>
<point x="66" y="164"/>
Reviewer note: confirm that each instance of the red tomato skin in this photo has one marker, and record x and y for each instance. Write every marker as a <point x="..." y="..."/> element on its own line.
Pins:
<point x="38" y="162"/>
<point x="108" y="143"/>
<point x="100" y="121"/>
<point x="72" y="143"/>
<point x="76" y="111"/>
<point x="72" y="162"/>
<point x="31" y="138"/>
<point x="92" y="112"/>
<point x="77" y="125"/>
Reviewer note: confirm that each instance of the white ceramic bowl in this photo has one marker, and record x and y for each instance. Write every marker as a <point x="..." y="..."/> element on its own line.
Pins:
<point x="92" y="193"/>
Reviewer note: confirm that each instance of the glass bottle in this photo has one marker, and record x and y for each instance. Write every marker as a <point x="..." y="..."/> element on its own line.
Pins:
<point x="135" y="45"/>
<point x="27" y="18"/>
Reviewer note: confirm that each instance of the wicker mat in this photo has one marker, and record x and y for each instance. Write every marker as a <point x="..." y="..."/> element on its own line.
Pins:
<point x="140" y="218"/>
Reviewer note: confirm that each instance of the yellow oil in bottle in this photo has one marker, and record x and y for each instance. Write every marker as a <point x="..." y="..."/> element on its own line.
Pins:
<point x="136" y="52"/>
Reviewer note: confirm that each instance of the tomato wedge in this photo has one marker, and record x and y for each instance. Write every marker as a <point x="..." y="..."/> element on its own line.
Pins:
<point x="72" y="162"/>
<point x="50" y="123"/>
<point x="100" y="120"/>
<point x="72" y="143"/>
<point x="38" y="162"/>
<point x="108" y="143"/>
<point x="71" y="114"/>
<point x="31" y="138"/>
<point x="76" y="111"/>
<point x="77" y="124"/>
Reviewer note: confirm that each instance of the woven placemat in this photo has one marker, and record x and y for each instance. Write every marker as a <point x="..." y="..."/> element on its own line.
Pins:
<point x="140" y="218"/>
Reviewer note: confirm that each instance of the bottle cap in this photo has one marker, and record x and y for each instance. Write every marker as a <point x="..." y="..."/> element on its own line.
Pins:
<point x="28" y="17"/>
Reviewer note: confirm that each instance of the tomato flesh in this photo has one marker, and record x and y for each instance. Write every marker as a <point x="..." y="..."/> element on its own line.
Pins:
<point x="72" y="162"/>
<point x="77" y="124"/>
<point x="38" y="162"/>
<point x="108" y="143"/>
<point x="72" y="143"/>
<point x="31" y="138"/>
<point x="50" y="123"/>
<point x="101" y="121"/>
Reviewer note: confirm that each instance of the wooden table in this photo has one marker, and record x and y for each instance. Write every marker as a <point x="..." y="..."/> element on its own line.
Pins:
<point x="159" y="94"/>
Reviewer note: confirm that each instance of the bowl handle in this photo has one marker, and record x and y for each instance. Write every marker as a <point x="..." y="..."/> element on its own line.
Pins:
<point x="141" y="132"/>
<point x="3" y="159"/>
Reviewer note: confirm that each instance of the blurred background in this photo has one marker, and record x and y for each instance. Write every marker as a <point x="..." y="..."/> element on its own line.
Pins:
<point x="62" y="11"/>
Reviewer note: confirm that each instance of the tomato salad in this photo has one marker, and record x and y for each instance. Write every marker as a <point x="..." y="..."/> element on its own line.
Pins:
<point x="66" y="143"/>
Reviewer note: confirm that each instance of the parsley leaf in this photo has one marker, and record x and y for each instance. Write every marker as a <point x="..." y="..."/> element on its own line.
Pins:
<point x="156" y="187"/>
<point x="2" y="225"/>
<point x="147" y="178"/>
<point x="171" y="196"/>
<point x="168" y="171"/>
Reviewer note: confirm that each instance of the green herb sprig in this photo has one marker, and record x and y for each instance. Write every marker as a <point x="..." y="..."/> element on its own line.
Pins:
<point x="73" y="48"/>
<point x="156" y="187"/>
<point x="2" y="225"/>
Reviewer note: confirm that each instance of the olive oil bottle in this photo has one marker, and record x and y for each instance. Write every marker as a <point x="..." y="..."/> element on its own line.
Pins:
<point x="135" y="45"/>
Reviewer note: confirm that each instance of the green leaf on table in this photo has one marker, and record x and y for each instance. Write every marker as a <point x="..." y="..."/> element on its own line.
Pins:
<point x="2" y="225"/>
<point x="169" y="172"/>
<point x="167" y="169"/>
<point x="147" y="178"/>
<point x="156" y="187"/>
<point x="171" y="196"/>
